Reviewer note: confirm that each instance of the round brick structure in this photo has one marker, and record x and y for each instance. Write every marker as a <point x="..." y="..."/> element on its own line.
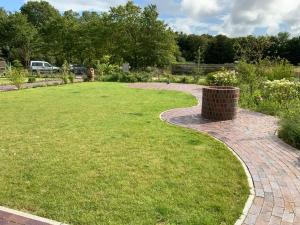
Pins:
<point x="220" y="103"/>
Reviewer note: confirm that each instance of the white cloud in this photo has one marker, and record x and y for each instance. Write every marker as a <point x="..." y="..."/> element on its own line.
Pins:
<point x="81" y="5"/>
<point x="198" y="8"/>
<point x="231" y="17"/>
<point x="246" y="16"/>
<point x="238" y="17"/>
<point x="187" y="25"/>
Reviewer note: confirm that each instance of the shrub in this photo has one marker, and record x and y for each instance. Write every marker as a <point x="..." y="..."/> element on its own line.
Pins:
<point x="128" y="78"/>
<point x="105" y="68"/>
<point x="290" y="130"/>
<point x="143" y="76"/>
<point x="222" y="78"/>
<point x="281" y="91"/>
<point x="250" y="76"/>
<point x="17" y="64"/>
<point x="17" y="76"/>
<point x="114" y="77"/>
<point x="279" y="69"/>
<point x="71" y="77"/>
<point x="65" y="72"/>
<point x="31" y="80"/>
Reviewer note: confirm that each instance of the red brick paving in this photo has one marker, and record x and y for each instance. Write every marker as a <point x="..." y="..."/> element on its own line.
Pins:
<point x="274" y="165"/>
<point x="12" y="219"/>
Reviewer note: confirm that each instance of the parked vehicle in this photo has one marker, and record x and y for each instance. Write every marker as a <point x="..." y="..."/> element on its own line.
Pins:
<point x="78" y="69"/>
<point x="43" y="67"/>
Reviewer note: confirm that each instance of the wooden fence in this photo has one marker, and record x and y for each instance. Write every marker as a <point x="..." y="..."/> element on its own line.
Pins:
<point x="189" y="68"/>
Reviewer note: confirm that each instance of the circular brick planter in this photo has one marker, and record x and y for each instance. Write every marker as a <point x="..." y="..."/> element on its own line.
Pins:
<point x="220" y="103"/>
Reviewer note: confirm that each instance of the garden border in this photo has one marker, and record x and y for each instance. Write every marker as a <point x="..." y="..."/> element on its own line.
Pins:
<point x="30" y="216"/>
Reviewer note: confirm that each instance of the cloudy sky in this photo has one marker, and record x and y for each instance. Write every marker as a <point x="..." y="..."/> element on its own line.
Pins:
<point x="230" y="17"/>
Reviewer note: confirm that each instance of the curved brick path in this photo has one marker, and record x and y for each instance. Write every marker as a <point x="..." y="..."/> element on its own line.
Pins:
<point x="274" y="165"/>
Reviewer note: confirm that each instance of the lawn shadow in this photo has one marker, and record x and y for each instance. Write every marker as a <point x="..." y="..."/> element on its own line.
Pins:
<point x="194" y="119"/>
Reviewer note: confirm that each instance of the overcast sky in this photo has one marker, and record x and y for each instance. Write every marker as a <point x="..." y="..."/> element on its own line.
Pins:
<point x="230" y="17"/>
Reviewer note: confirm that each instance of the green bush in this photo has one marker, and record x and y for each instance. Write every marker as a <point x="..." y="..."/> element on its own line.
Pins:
<point x="128" y="78"/>
<point x="105" y="68"/>
<point x="114" y="77"/>
<point x="249" y="76"/>
<point x="17" y="64"/>
<point x="71" y="78"/>
<point x="65" y="72"/>
<point x="278" y="69"/>
<point x="17" y="76"/>
<point x="31" y="80"/>
<point x="290" y="130"/>
<point x="222" y="78"/>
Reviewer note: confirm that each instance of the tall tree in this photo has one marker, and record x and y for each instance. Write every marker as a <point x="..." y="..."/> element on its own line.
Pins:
<point x="190" y="44"/>
<point x="125" y="24"/>
<point x="220" y="50"/>
<point x="20" y="37"/>
<point x="158" y="45"/>
<point x="39" y="12"/>
<point x="251" y="49"/>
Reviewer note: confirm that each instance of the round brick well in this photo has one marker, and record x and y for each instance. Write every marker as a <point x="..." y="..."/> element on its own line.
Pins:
<point x="220" y="103"/>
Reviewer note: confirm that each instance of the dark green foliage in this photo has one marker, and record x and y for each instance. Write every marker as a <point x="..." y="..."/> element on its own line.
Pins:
<point x="190" y="44"/>
<point x="220" y="50"/>
<point x="71" y="78"/>
<point x="128" y="33"/>
<point x="31" y="80"/>
<point x="127" y="77"/>
<point x="39" y="12"/>
<point x="18" y="38"/>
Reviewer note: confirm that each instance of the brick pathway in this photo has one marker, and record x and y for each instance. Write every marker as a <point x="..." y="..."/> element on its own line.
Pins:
<point x="30" y="85"/>
<point x="274" y="165"/>
<point x="12" y="217"/>
<point x="36" y="84"/>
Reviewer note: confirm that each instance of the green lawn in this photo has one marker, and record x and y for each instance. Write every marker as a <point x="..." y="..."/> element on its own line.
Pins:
<point x="96" y="153"/>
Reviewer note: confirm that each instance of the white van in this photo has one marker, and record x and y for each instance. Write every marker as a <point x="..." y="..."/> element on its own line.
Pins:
<point x="43" y="67"/>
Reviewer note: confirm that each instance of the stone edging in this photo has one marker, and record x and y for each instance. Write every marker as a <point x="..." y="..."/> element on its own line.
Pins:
<point x="30" y="216"/>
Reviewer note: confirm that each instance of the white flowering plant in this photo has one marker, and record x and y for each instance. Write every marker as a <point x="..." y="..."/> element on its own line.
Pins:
<point x="222" y="78"/>
<point x="281" y="91"/>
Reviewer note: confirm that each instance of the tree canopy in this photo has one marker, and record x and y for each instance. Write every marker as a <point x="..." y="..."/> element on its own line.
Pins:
<point x="127" y="33"/>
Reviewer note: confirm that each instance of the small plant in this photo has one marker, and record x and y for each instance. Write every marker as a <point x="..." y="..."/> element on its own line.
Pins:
<point x="17" y="76"/>
<point x="105" y="68"/>
<point x="17" y="64"/>
<point x="65" y="72"/>
<point x="290" y="130"/>
<point x="71" y="78"/>
<point x="31" y="80"/>
<point x="279" y="69"/>
<point x="222" y="78"/>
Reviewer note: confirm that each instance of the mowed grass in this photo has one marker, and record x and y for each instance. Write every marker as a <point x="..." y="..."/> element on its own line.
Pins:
<point x="95" y="153"/>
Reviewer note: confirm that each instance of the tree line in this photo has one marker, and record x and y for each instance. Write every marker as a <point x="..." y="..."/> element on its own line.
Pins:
<point x="127" y="33"/>
<point x="222" y="49"/>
